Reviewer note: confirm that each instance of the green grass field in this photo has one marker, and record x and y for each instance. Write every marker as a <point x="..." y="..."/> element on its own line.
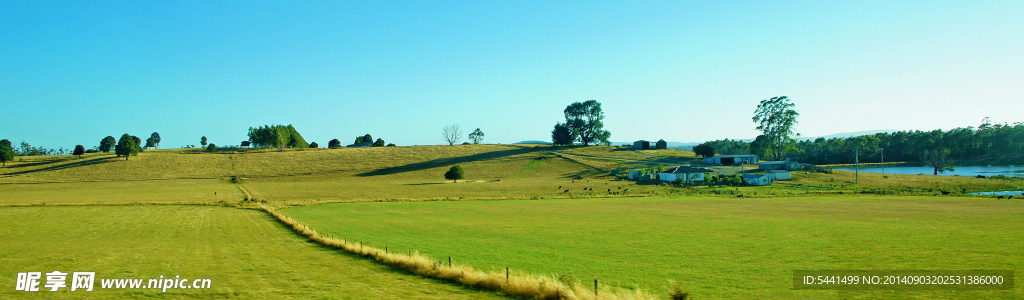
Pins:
<point x="245" y="253"/>
<point x="705" y="238"/>
<point x="718" y="248"/>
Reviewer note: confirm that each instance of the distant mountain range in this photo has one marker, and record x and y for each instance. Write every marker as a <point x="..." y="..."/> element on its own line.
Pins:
<point x="688" y="146"/>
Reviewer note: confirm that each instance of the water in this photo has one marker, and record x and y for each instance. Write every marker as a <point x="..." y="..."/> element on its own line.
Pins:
<point x="1002" y="193"/>
<point x="972" y="171"/>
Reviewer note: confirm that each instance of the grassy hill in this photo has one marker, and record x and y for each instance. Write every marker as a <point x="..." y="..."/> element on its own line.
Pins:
<point x="589" y="231"/>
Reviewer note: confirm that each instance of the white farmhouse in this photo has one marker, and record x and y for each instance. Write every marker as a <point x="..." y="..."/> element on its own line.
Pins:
<point x="686" y="174"/>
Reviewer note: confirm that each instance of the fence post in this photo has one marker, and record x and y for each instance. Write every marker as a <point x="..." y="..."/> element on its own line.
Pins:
<point x="449" y="261"/>
<point x="595" y="287"/>
<point x="506" y="276"/>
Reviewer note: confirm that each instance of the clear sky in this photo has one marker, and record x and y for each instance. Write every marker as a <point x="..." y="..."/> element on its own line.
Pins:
<point x="72" y="72"/>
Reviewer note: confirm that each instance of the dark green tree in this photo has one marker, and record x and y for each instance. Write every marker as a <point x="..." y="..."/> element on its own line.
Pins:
<point x="704" y="150"/>
<point x="107" y="144"/>
<point x="150" y="142"/>
<point x="335" y="143"/>
<point x="314" y="145"/>
<point x="455" y="173"/>
<point x="211" y="148"/>
<point x="6" y="151"/>
<point x="562" y="135"/>
<point x="586" y="122"/>
<point x="379" y="143"/>
<point x="156" y="139"/>
<point x="775" y="118"/>
<point x="476" y="136"/>
<point x="79" y="150"/>
<point x="391" y="145"/>
<point x="364" y="139"/>
<point x="202" y="141"/>
<point x="278" y="136"/>
<point x="127" y="146"/>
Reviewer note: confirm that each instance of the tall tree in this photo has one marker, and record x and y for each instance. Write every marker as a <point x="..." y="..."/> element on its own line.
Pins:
<point x="938" y="159"/>
<point x="452" y="134"/>
<point x="138" y="142"/>
<point x="562" y="135"/>
<point x="126" y="146"/>
<point x="107" y="144"/>
<point x="476" y="136"/>
<point x="150" y="142"/>
<point x="335" y="143"/>
<point x="6" y="151"/>
<point x="156" y="139"/>
<point x="775" y="118"/>
<point x="586" y="122"/>
<point x="202" y="141"/>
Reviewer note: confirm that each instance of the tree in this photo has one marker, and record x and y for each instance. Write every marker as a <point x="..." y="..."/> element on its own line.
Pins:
<point x="156" y="139"/>
<point x="138" y="142"/>
<point x="107" y="143"/>
<point x="455" y="173"/>
<point x="704" y="150"/>
<point x="211" y="148"/>
<point x="562" y="135"/>
<point x="586" y="122"/>
<point x="335" y="143"/>
<point x="6" y="151"/>
<point x="391" y="145"/>
<point x="379" y="143"/>
<point x="364" y="139"/>
<point x="476" y="136"/>
<point x="246" y="143"/>
<point x="202" y="141"/>
<point x="452" y="134"/>
<point x="150" y="142"/>
<point x="661" y="144"/>
<point x="126" y="146"/>
<point x="938" y="159"/>
<point x="314" y="145"/>
<point x="775" y="118"/>
<point x="278" y="136"/>
<point x="79" y="150"/>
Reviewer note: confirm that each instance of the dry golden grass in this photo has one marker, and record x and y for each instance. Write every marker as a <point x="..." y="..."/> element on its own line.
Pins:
<point x="516" y="284"/>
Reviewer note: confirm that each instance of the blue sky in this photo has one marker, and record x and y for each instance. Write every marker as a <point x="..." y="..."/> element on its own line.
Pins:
<point x="72" y="72"/>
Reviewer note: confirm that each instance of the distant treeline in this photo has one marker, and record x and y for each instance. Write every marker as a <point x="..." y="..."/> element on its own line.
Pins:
<point x="278" y="136"/>
<point x="1000" y="142"/>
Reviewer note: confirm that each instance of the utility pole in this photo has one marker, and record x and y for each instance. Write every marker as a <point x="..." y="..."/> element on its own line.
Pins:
<point x="881" y="151"/>
<point x="856" y="162"/>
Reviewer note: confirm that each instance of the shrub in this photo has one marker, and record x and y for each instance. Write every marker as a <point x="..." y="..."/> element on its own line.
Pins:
<point x="455" y="173"/>
<point x="314" y="145"/>
<point x="391" y="145"/>
<point x="211" y="148"/>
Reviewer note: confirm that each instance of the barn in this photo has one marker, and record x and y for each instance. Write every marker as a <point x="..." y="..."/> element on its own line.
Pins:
<point x="730" y="160"/>
<point x="756" y="179"/>
<point x="641" y="145"/>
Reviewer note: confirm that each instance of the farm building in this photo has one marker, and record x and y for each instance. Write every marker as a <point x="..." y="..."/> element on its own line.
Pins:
<point x="366" y="144"/>
<point x="687" y="174"/>
<point x="636" y="175"/>
<point x="778" y="175"/>
<point x="641" y="145"/>
<point x="729" y="160"/>
<point x="779" y="165"/>
<point x="756" y="179"/>
<point x="661" y="144"/>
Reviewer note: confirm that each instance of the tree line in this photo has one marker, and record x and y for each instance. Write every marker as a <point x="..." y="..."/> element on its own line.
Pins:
<point x="988" y="141"/>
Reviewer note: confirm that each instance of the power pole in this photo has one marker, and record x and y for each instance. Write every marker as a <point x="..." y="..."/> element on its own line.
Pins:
<point x="856" y="162"/>
<point x="881" y="151"/>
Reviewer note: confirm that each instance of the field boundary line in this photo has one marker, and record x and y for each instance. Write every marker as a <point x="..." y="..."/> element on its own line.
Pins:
<point x="517" y="284"/>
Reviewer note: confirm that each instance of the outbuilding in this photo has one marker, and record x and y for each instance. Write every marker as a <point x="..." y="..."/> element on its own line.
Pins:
<point x="756" y="179"/>
<point x="730" y="160"/>
<point x="686" y="174"/>
<point x="641" y="145"/>
<point x="779" y="175"/>
<point x="779" y="165"/>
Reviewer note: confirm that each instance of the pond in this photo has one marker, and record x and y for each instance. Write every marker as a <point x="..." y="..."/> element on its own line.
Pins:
<point x="972" y="171"/>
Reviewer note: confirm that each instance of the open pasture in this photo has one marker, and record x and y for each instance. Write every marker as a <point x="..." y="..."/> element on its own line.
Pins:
<point x="716" y="247"/>
<point x="245" y="253"/>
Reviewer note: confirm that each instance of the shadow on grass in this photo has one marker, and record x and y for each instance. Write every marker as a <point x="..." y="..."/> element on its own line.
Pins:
<point x="427" y="183"/>
<point x="76" y="164"/>
<point x="442" y="162"/>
